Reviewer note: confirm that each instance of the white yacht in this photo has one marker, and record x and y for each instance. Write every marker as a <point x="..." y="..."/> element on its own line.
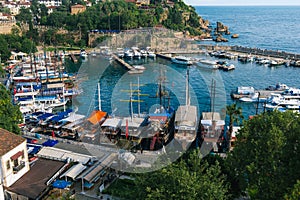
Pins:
<point x="151" y="53"/>
<point x="128" y="53"/>
<point x="136" y="52"/>
<point x="120" y="52"/>
<point x="254" y="98"/>
<point x="83" y="54"/>
<point x="209" y="64"/>
<point x="183" y="60"/>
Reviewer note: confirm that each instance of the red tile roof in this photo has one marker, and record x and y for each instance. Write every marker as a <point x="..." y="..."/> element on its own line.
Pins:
<point x="9" y="141"/>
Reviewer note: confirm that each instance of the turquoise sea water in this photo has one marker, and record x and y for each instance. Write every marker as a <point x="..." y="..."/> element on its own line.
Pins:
<point x="262" y="27"/>
<point x="266" y="27"/>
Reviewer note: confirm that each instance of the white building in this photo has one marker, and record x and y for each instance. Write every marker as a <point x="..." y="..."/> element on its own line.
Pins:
<point x="15" y="7"/>
<point x="13" y="157"/>
<point x="49" y="3"/>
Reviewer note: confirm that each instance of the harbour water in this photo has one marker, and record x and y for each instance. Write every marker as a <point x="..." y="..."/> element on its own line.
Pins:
<point x="257" y="26"/>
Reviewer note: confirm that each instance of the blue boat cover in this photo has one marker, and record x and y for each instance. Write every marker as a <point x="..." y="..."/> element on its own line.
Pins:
<point x="36" y="149"/>
<point x="50" y="143"/>
<point x="61" y="184"/>
<point x="45" y="116"/>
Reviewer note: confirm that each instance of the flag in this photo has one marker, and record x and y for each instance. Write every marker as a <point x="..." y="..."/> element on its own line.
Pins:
<point x="126" y="133"/>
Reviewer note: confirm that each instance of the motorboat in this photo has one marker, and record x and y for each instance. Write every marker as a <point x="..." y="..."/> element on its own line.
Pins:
<point x="144" y="53"/>
<point x="243" y="91"/>
<point x="136" y="52"/>
<point x="120" y="52"/>
<point x="228" y="67"/>
<point x="128" y="53"/>
<point x="181" y="60"/>
<point x="253" y="98"/>
<point x="209" y="64"/>
<point x="135" y="71"/>
<point x="151" y="53"/>
<point x="139" y="67"/>
<point x="83" y="54"/>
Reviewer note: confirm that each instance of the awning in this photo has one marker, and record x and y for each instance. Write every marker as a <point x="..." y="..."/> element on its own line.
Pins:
<point x="74" y="117"/>
<point x="74" y="171"/>
<point x="112" y="122"/>
<point x="63" y="155"/>
<point x="97" y="116"/>
<point x="94" y="171"/>
<point x="17" y="155"/>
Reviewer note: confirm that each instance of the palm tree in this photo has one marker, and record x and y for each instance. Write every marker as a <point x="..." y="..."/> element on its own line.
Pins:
<point x="235" y="115"/>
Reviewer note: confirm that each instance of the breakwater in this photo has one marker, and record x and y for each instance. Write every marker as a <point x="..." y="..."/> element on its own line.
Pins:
<point x="253" y="51"/>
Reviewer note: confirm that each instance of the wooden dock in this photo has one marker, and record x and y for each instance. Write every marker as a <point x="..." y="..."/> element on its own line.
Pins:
<point x="74" y="59"/>
<point x="122" y="62"/>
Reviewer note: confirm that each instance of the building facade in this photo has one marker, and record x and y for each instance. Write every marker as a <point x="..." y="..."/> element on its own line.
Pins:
<point x="13" y="157"/>
<point x="77" y="9"/>
<point x="49" y="3"/>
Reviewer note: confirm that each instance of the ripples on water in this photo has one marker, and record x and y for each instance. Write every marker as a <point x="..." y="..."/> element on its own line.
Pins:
<point x="258" y="26"/>
<point x="115" y="80"/>
<point x="266" y="27"/>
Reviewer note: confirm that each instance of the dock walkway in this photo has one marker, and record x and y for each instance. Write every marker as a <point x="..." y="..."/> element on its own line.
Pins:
<point x="74" y="59"/>
<point x="122" y="62"/>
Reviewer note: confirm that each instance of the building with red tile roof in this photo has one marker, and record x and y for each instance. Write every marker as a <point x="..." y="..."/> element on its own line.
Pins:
<point x="13" y="157"/>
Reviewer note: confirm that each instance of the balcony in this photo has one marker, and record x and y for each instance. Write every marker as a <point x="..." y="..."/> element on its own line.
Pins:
<point x="19" y="167"/>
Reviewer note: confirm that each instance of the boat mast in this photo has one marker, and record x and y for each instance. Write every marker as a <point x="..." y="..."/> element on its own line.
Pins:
<point x="187" y="92"/>
<point x="64" y="99"/>
<point x="139" y="105"/>
<point x="213" y="95"/>
<point x="131" y="106"/>
<point x="99" y="97"/>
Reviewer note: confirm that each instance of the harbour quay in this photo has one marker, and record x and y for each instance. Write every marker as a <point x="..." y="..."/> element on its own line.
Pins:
<point x="252" y="51"/>
<point x="265" y="52"/>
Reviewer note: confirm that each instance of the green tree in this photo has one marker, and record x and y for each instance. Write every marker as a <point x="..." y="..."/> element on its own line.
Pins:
<point x="10" y="115"/>
<point x="5" y="10"/>
<point x="28" y="46"/>
<point x="190" y="178"/>
<point x="4" y="50"/>
<point x="265" y="161"/>
<point x="25" y="15"/>
<point x="294" y="194"/>
<point x="235" y="115"/>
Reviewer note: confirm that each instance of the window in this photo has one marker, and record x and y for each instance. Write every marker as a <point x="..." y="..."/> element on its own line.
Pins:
<point x="8" y="165"/>
<point x="16" y="162"/>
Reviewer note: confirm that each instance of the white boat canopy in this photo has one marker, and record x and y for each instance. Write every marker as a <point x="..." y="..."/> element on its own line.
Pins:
<point x="209" y="122"/>
<point x="74" y="117"/>
<point x="63" y="155"/>
<point x="112" y="122"/>
<point x="186" y="116"/>
<point x="74" y="171"/>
